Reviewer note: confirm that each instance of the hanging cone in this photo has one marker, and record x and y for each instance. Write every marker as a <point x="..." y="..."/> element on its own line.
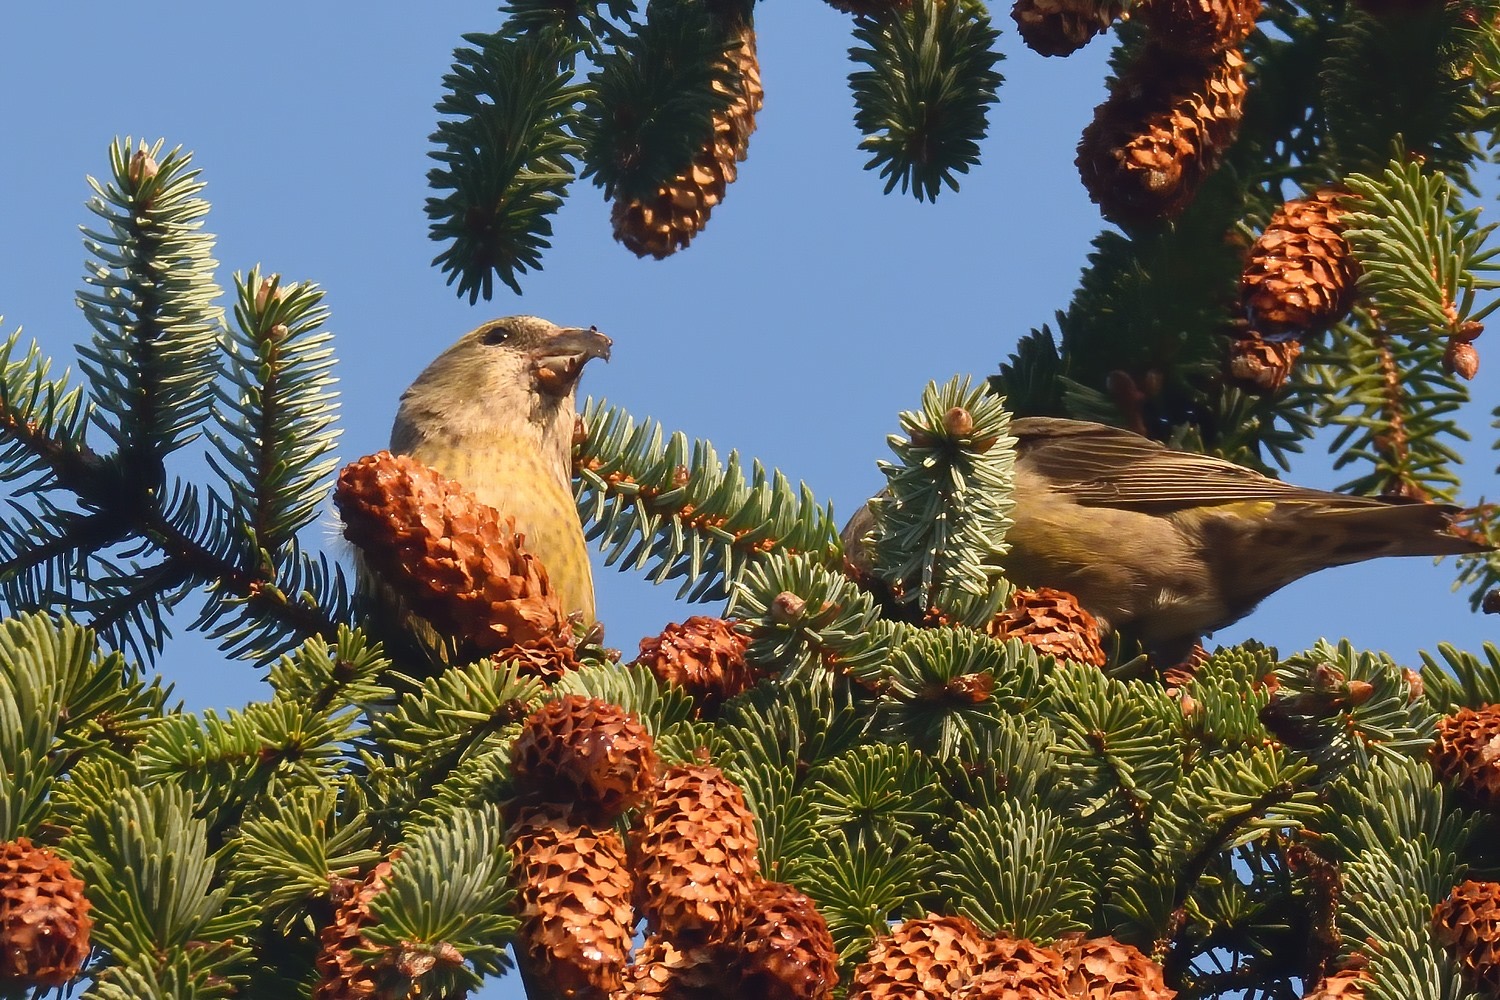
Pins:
<point x="703" y="656"/>
<point x="1053" y="622"/>
<point x="926" y="959"/>
<point x="1301" y="275"/>
<point x="1200" y="29"/>
<point x="1015" y="968"/>
<point x="343" y="974"/>
<point x="44" y="918"/>
<point x="1468" y="923"/>
<point x="1467" y="753"/>
<point x="660" y="226"/>
<point x="573" y="890"/>
<point x="447" y="557"/>
<point x="1102" y="968"/>
<point x="785" y="950"/>
<point x="697" y="856"/>
<point x="1259" y="365"/>
<point x="662" y="970"/>
<point x="1165" y="126"/>
<point x="1062" y="27"/>
<point x="586" y="755"/>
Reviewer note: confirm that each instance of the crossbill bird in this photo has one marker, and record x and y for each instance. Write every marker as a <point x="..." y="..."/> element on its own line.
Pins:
<point x="496" y="412"/>
<point x="1171" y="545"/>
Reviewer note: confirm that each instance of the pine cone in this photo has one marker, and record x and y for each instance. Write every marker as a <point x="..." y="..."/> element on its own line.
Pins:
<point x="1259" y="365"/>
<point x="785" y="950"/>
<point x="1053" y="622"/>
<point x="44" y="918"/>
<point x="697" y="847"/>
<point x="1164" y="128"/>
<point x="703" y="656"/>
<point x="1467" y="753"/>
<point x="573" y="889"/>
<point x="926" y="959"/>
<point x="1301" y="276"/>
<point x="1062" y="27"/>
<point x="584" y="754"/>
<point x="343" y="975"/>
<point x="450" y="559"/>
<point x="1200" y="29"/>
<point x="1346" y="985"/>
<point x="660" y="226"/>
<point x="1102" y="968"/>
<point x="663" y="970"/>
<point x="1468" y="922"/>
<point x="1016" y="969"/>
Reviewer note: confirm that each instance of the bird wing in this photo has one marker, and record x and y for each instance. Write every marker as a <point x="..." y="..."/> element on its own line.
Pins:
<point x="1104" y="466"/>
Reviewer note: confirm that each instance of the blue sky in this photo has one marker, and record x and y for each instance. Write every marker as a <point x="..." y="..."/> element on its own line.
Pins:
<point x="809" y="313"/>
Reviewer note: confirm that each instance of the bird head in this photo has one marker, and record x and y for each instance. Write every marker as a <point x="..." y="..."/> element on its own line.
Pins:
<point x="519" y="373"/>
<point x="549" y="358"/>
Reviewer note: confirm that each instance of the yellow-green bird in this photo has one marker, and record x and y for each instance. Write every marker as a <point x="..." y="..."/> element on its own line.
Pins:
<point x="1171" y="545"/>
<point x="496" y="411"/>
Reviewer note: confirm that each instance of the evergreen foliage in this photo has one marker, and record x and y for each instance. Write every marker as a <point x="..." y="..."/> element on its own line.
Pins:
<point x="1251" y="822"/>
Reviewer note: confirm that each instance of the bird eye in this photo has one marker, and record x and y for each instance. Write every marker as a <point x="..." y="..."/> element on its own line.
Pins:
<point x="497" y="334"/>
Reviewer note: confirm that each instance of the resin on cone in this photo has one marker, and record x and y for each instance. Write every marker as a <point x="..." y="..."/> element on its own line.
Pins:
<point x="925" y="959"/>
<point x="696" y="850"/>
<point x="573" y="895"/>
<point x="586" y="754"/>
<point x="784" y="949"/>
<point x="704" y="656"/>
<point x="44" y="918"/>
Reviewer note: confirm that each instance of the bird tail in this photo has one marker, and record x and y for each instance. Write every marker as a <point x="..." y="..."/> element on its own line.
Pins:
<point x="1399" y="528"/>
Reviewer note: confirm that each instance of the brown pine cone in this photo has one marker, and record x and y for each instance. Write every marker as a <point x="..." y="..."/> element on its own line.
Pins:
<point x="1164" y="128"/>
<point x="1467" y="753"/>
<point x="703" y="656"/>
<point x="1468" y="923"/>
<point x="785" y="950"/>
<point x="584" y="754"/>
<point x="1259" y="365"/>
<point x="926" y="959"/>
<point x="1346" y="985"/>
<point x="1062" y="27"/>
<point x="44" y="918"/>
<point x="662" y="970"/>
<point x="448" y="558"/>
<point x="573" y="891"/>
<point x="1301" y="274"/>
<point x="1016" y="969"/>
<point x="344" y="974"/>
<point x="1102" y="968"/>
<point x="660" y="226"/>
<point x="1200" y="28"/>
<point x="1053" y="622"/>
<point x="697" y="856"/>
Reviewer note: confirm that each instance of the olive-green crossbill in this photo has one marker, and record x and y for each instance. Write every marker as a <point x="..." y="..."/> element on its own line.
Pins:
<point x="1171" y="545"/>
<point x="496" y="412"/>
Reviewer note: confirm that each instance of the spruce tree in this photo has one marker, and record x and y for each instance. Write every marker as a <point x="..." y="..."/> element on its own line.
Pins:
<point x="903" y="780"/>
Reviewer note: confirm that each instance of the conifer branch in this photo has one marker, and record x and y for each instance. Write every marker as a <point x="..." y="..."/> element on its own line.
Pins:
<point x="674" y="510"/>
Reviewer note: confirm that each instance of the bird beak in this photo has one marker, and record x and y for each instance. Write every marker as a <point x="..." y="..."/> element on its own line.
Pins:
<point x="558" y="363"/>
